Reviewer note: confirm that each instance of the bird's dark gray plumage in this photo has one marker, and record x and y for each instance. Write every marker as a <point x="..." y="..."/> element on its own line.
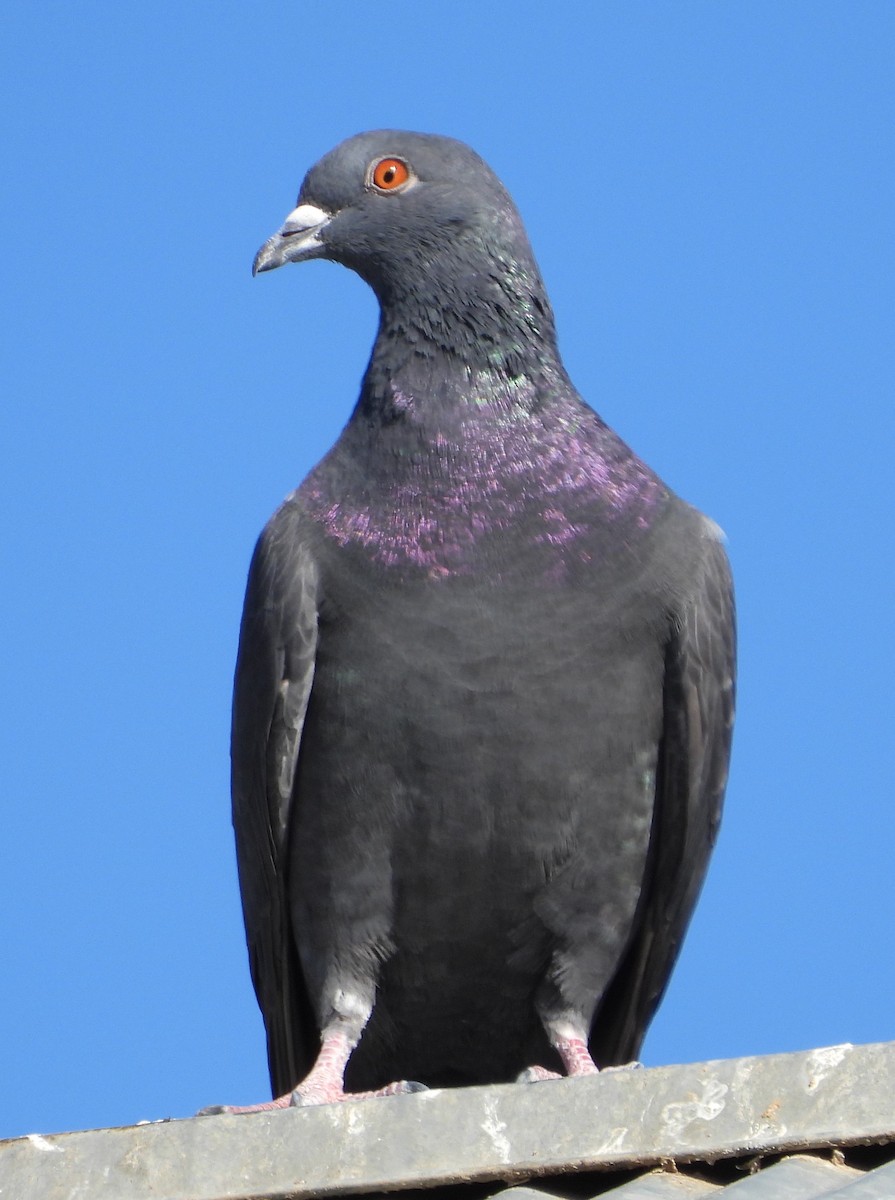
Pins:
<point x="484" y="691"/>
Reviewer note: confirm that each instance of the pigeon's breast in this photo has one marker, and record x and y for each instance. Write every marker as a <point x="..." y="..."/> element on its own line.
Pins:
<point x="474" y="752"/>
<point x="462" y="505"/>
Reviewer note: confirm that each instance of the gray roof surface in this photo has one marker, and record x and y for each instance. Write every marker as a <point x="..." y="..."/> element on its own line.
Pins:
<point x="811" y="1124"/>
<point x="794" y="1177"/>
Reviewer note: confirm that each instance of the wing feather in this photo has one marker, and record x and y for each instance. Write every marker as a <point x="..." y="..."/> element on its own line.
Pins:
<point x="699" y="693"/>
<point x="274" y="674"/>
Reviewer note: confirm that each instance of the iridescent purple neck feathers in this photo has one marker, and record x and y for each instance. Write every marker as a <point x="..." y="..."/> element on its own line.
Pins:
<point x="443" y="483"/>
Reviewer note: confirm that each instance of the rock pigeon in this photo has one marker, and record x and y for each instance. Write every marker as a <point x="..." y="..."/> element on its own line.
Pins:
<point x="484" y="690"/>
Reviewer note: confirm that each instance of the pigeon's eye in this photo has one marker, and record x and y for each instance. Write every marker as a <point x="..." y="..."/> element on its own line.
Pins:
<point x="389" y="174"/>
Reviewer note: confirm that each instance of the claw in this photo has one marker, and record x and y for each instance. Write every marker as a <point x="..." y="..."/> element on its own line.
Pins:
<point x="214" y="1110"/>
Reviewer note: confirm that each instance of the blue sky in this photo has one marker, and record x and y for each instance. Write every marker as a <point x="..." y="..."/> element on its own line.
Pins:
<point x="709" y="190"/>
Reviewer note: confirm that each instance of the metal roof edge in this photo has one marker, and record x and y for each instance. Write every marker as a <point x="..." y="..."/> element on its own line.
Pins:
<point x="836" y="1096"/>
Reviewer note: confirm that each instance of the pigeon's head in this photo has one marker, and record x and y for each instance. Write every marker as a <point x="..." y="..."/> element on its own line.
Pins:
<point x="397" y="207"/>
<point x="434" y="232"/>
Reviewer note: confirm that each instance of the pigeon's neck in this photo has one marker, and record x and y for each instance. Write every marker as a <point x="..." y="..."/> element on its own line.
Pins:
<point x="469" y="443"/>
<point x="466" y="311"/>
<point x="433" y="366"/>
<point x="463" y="346"/>
<point x="441" y="393"/>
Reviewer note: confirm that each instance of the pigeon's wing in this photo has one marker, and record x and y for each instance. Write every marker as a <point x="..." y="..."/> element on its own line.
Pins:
<point x="699" y="690"/>
<point x="274" y="673"/>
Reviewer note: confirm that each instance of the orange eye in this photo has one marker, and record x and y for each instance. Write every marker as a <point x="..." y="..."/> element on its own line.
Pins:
<point x="389" y="174"/>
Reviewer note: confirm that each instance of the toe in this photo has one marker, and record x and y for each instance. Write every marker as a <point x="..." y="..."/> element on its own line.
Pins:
<point x="267" y="1106"/>
<point x="536" y="1074"/>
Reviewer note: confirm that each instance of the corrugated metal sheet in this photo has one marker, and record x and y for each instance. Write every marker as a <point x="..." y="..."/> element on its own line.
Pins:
<point x="796" y="1177"/>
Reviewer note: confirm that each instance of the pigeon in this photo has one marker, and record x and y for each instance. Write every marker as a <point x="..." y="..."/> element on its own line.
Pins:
<point x="485" y="681"/>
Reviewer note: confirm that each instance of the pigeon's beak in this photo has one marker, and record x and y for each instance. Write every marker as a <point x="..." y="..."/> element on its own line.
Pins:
<point x="295" y="240"/>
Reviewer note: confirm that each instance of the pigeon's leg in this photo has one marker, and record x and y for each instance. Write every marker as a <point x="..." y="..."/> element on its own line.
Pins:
<point x="575" y="1055"/>
<point x="325" y="1082"/>
<point x="569" y="1040"/>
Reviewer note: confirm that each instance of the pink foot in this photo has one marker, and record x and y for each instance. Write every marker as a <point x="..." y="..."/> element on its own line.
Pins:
<point x="302" y="1097"/>
<point x="306" y="1097"/>
<point x="324" y="1083"/>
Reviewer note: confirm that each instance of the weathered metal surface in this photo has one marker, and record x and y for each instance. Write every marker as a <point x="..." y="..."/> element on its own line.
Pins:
<point x="836" y="1096"/>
